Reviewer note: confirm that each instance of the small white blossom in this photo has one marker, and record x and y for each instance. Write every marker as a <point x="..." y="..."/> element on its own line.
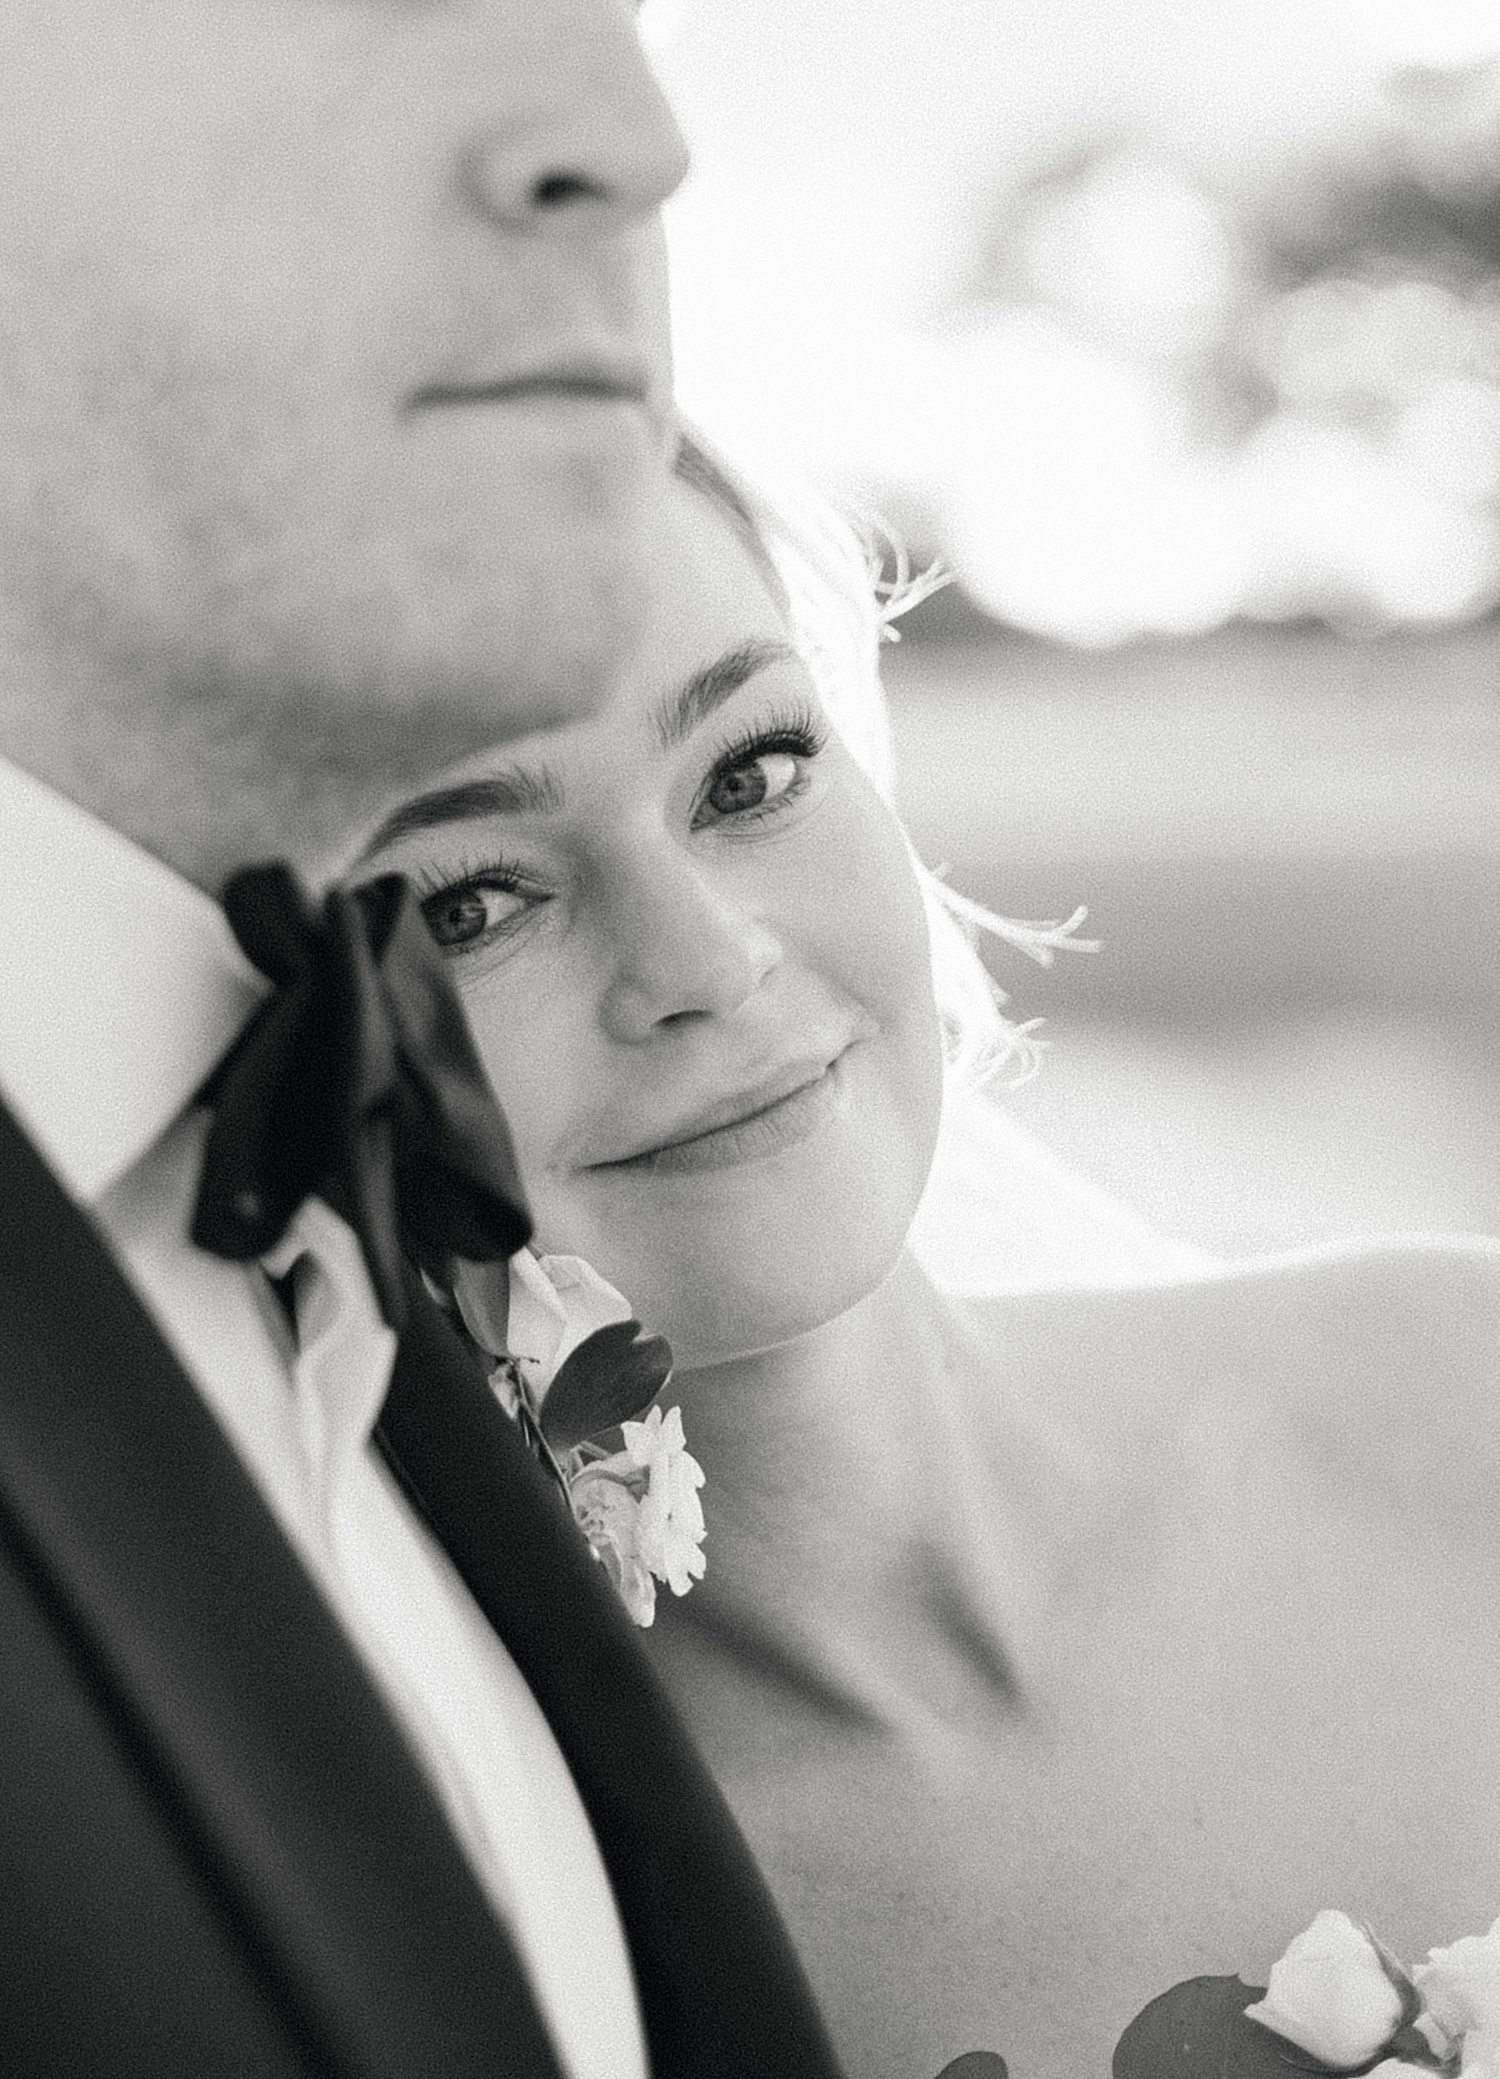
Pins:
<point x="664" y="1530"/>
<point x="1331" y="1994"/>
<point x="609" y="1516"/>
<point x="1461" y="1987"/>
<point x="672" y="1526"/>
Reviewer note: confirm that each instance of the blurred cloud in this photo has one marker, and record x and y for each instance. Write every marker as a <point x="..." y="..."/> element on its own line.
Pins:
<point x="1135" y="253"/>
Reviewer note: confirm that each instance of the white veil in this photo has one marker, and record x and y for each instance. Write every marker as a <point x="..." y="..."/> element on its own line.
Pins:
<point x="1001" y="1213"/>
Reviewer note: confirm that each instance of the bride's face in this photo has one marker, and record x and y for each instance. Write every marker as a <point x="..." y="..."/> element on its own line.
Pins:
<point x="694" y="957"/>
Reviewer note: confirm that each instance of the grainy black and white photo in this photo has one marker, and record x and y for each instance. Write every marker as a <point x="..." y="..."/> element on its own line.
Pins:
<point x="749" y="1080"/>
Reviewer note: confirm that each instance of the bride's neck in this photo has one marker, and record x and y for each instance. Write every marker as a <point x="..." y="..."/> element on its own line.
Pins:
<point x="818" y="1432"/>
<point x="849" y="1547"/>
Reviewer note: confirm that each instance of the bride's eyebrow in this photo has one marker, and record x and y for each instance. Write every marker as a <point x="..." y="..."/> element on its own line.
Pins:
<point x="520" y="790"/>
<point x="691" y="703"/>
<point x="512" y="791"/>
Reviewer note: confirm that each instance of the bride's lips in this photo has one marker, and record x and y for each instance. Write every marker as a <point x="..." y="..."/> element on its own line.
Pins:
<point x="757" y="1122"/>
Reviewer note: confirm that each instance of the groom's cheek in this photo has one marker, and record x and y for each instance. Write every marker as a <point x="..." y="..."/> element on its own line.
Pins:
<point x="653" y="288"/>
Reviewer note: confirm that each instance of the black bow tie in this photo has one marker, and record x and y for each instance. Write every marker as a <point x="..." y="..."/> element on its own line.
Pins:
<point x="355" y="1080"/>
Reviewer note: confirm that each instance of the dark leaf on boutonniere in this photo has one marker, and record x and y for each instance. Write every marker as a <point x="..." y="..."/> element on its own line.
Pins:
<point x="975" y="2064"/>
<point x="610" y="1378"/>
<point x="1198" y="2030"/>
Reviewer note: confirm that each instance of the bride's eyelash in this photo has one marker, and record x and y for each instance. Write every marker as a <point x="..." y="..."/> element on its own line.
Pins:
<point x="430" y="881"/>
<point x="796" y="730"/>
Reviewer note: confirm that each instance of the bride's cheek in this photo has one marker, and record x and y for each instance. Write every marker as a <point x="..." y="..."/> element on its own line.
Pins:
<point x="871" y="903"/>
<point x="526" y="1061"/>
<point x="889" y="944"/>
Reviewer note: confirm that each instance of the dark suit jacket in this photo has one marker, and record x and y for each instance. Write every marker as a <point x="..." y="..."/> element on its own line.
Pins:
<point x="217" y="1854"/>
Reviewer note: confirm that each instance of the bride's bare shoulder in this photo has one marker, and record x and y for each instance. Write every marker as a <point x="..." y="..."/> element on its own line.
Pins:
<point x="1371" y="1353"/>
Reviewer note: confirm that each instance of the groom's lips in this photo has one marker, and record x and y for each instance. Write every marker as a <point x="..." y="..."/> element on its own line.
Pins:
<point x="587" y="378"/>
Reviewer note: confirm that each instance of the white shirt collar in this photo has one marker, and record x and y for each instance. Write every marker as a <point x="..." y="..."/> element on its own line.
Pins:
<point x="120" y="986"/>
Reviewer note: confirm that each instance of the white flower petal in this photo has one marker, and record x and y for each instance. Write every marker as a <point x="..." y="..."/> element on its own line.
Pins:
<point x="1461" y="1984"/>
<point x="652" y="1441"/>
<point x="671" y="1526"/>
<point x="556" y="1302"/>
<point x="537" y="1322"/>
<point x="1330" y="1995"/>
<point x="1481" y="2054"/>
<point x="610" y="1518"/>
<point x="588" y="1301"/>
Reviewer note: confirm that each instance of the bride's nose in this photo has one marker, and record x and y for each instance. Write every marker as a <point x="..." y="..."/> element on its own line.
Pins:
<point x="682" y="949"/>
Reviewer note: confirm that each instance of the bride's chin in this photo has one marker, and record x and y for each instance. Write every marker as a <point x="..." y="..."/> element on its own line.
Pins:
<point x="736" y="1264"/>
<point x="706" y="1346"/>
<point x="713" y="1321"/>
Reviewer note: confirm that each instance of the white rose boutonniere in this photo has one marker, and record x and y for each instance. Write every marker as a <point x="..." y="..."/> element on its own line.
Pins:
<point x="556" y="1303"/>
<point x="571" y="1366"/>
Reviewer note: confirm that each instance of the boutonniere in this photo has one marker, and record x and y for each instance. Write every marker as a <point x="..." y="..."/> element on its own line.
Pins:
<point x="576" y="1371"/>
<point x="1338" y="2002"/>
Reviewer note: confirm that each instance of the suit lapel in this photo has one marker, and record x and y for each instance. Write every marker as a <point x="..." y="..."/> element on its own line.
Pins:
<point x="723" y="1994"/>
<point x="227" y="1676"/>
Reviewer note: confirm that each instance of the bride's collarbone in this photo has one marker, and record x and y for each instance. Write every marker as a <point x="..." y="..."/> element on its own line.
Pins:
<point x="1249" y="1484"/>
<point x="1257" y="1682"/>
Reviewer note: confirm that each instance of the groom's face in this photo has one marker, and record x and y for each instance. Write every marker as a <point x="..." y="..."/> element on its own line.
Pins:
<point x="332" y="360"/>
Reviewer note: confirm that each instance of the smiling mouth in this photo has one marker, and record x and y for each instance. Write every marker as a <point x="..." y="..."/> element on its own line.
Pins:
<point x="766" y="1129"/>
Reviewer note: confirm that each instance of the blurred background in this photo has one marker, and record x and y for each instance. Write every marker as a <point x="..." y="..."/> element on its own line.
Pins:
<point x="1174" y="330"/>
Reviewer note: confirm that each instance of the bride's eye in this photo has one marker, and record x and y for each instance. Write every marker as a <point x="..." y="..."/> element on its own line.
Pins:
<point x="753" y="784"/>
<point x="762" y="772"/>
<point x="464" y="915"/>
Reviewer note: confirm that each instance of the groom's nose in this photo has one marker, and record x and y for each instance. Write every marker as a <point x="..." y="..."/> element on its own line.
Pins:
<point x="585" y="136"/>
